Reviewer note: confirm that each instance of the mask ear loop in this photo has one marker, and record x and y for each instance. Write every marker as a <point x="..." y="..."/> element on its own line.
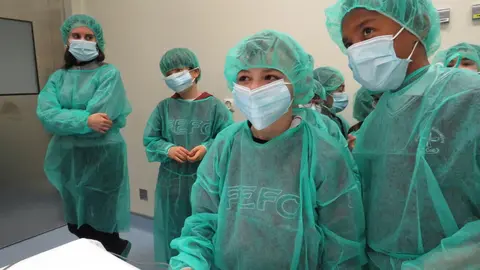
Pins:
<point x="399" y="32"/>
<point x="414" y="47"/>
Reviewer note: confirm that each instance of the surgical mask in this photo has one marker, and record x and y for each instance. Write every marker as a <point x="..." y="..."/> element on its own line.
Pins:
<point x="340" y="102"/>
<point x="180" y="81"/>
<point x="83" y="50"/>
<point x="264" y="105"/>
<point x="375" y="64"/>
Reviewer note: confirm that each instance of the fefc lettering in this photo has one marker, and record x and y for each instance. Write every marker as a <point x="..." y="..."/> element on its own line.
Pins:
<point x="184" y="126"/>
<point x="263" y="199"/>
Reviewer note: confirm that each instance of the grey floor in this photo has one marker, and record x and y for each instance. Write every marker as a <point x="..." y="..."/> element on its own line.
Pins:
<point x="141" y="236"/>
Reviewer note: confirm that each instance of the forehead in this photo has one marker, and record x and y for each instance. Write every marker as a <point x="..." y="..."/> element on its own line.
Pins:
<point x="260" y="71"/>
<point x="82" y="30"/>
<point x="360" y="16"/>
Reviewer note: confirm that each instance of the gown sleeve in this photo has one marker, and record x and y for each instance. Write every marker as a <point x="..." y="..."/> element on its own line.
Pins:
<point x="222" y="119"/>
<point x="156" y="146"/>
<point x="56" y="119"/>
<point x="110" y="98"/>
<point x="340" y="211"/>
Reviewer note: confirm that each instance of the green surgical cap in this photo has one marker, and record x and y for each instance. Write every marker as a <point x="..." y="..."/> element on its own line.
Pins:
<point x="330" y="78"/>
<point x="418" y="16"/>
<point x="179" y="58"/>
<point x="274" y="50"/>
<point x="363" y="104"/>
<point x="464" y="51"/>
<point x="319" y="90"/>
<point x="80" y="20"/>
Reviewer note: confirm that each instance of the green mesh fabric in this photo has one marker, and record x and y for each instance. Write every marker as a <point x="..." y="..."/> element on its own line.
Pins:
<point x="363" y="104"/>
<point x="319" y="90"/>
<point x="297" y="196"/>
<point x="177" y="122"/>
<point x="179" y="58"/>
<point x="275" y="50"/>
<point x="463" y="51"/>
<point x="79" y="20"/>
<point x="330" y="78"/>
<point x="89" y="169"/>
<point x="424" y="139"/>
<point x="418" y="16"/>
<point x="457" y="252"/>
<point x="313" y="116"/>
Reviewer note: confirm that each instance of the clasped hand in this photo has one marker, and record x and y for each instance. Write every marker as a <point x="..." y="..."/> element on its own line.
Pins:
<point x="181" y="155"/>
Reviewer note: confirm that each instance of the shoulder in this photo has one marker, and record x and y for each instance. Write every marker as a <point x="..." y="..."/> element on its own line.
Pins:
<point x="108" y="71"/>
<point x="212" y="98"/>
<point x="453" y="81"/>
<point x="57" y="74"/>
<point x="227" y="136"/>
<point x="329" y="150"/>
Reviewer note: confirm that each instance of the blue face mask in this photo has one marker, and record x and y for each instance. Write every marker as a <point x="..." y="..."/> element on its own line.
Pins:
<point x="375" y="64"/>
<point x="340" y="102"/>
<point x="83" y="50"/>
<point x="180" y="81"/>
<point x="264" y="105"/>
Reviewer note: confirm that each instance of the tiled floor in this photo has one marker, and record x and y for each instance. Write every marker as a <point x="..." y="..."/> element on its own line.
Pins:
<point x="141" y="236"/>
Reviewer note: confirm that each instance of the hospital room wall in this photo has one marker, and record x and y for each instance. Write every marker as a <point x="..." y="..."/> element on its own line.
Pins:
<point x="139" y="32"/>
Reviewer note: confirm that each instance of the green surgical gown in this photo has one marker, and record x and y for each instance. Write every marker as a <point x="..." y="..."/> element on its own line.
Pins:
<point x="315" y="118"/>
<point x="293" y="202"/>
<point x="89" y="169"/>
<point x="178" y="122"/>
<point x="418" y="154"/>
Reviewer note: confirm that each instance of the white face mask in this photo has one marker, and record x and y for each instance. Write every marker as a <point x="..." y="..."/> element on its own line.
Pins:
<point x="375" y="64"/>
<point x="180" y="81"/>
<point x="83" y="50"/>
<point x="264" y="105"/>
<point x="340" y="102"/>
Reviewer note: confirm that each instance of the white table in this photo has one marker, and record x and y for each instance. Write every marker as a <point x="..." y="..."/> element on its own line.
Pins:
<point x="76" y="255"/>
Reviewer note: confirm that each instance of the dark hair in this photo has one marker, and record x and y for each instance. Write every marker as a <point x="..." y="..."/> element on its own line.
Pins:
<point x="356" y="127"/>
<point x="71" y="61"/>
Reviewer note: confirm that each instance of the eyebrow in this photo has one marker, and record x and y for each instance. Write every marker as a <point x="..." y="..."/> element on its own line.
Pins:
<point x="360" y="26"/>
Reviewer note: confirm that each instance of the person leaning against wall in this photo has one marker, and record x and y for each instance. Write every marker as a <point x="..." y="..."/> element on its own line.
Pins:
<point x="84" y="106"/>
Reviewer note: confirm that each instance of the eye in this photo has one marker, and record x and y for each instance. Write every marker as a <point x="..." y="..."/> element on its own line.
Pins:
<point x="243" y="78"/>
<point x="367" y="31"/>
<point x="76" y="36"/>
<point x="89" y="37"/>
<point x="272" y="78"/>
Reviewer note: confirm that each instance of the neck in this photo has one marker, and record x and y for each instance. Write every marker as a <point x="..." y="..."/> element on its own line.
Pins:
<point x="419" y="60"/>
<point x="191" y="93"/>
<point x="276" y="129"/>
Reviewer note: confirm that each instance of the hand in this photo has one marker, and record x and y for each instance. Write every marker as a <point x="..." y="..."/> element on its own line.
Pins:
<point x="100" y="122"/>
<point x="351" y="141"/>
<point x="178" y="154"/>
<point x="197" y="153"/>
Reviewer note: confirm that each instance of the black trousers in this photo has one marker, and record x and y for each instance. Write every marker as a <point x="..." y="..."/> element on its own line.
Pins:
<point x="111" y="241"/>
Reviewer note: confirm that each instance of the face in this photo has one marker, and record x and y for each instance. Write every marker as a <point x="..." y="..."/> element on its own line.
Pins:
<point x="464" y="64"/>
<point x="329" y="102"/>
<point x="82" y="33"/>
<point x="316" y="100"/>
<point x="194" y="72"/>
<point x="361" y="25"/>
<point x="257" y="77"/>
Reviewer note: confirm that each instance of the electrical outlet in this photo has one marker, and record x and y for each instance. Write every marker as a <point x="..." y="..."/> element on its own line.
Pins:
<point x="143" y="194"/>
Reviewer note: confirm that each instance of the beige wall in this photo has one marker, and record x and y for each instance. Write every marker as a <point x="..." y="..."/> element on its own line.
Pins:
<point x="139" y="32"/>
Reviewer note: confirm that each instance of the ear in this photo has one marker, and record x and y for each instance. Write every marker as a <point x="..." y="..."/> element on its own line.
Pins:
<point x="196" y="74"/>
